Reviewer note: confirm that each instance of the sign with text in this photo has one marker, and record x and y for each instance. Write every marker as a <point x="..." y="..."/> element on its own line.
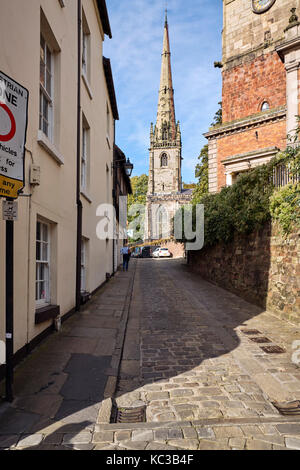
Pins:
<point x="10" y="210"/>
<point x="13" y="127"/>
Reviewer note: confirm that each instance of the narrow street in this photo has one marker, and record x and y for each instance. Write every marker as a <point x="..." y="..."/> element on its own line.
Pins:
<point x="158" y="336"/>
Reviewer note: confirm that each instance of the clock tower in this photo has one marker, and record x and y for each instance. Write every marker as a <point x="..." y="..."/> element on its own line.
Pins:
<point x="260" y="91"/>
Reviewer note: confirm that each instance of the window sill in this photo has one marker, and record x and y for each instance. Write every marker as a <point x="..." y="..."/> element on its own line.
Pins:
<point x="87" y="85"/>
<point x="49" y="312"/>
<point x="44" y="142"/>
<point x="84" y="194"/>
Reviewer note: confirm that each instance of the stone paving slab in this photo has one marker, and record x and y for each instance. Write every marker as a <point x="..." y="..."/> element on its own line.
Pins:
<point x="61" y="387"/>
<point x="186" y="356"/>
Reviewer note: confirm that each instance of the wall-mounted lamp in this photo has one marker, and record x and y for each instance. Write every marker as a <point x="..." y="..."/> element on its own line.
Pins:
<point x="126" y="164"/>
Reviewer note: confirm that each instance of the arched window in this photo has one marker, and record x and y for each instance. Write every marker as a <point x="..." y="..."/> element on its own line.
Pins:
<point x="164" y="160"/>
<point x="165" y="132"/>
<point x="265" y="106"/>
<point x="162" y="223"/>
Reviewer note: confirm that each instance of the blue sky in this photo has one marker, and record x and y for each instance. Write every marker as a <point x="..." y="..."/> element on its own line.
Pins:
<point x="195" y="28"/>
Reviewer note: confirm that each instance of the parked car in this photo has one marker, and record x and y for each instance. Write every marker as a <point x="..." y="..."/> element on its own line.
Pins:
<point x="135" y="252"/>
<point x="156" y="252"/>
<point x="146" y="252"/>
<point x="162" y="253"/>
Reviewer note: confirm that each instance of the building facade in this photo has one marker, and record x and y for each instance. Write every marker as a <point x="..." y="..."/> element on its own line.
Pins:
<point x="55" y="50"/>
<point x="122" y="187"/>
<point x="260" y="92"/>
<point x="165" y="194"/>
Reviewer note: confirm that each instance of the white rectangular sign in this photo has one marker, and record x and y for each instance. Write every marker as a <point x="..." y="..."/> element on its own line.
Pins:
<point x="13" y="126"/>
<point x="10" y="210"/>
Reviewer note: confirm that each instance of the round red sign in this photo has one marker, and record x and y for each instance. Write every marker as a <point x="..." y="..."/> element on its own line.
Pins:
<point x="10" y="135"/>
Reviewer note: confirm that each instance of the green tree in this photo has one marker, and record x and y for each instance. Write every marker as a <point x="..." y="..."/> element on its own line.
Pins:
<point x="189" y="185"/>
<point x="201" y="173"/>
<point x="139" y="186"/>
<point x="218" y="117"/>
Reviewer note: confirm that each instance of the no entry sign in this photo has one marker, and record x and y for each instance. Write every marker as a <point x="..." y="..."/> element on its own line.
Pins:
<point x="13" y="126"/>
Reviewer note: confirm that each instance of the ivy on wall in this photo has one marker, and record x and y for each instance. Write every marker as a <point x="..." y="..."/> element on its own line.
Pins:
<point x="253" y="200"/>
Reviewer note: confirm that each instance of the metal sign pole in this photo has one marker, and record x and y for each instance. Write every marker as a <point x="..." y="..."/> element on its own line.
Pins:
<point x="9" y="308"/>
<point x="13" y="128"/>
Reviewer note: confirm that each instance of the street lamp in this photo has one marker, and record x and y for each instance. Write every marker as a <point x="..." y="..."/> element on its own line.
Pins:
<point x="127" y="165"/>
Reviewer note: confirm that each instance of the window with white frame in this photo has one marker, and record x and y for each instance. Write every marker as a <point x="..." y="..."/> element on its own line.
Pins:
<point x="42" y="285"/>
<point x="107" y="121"/>
<point x="85" y="54"/>
<point x="85" y="155"/>
<point x="46" y="89"/>
<point x="265" y="106"/>
<point x="86" y="38"/>
<point x="83" y="283"/>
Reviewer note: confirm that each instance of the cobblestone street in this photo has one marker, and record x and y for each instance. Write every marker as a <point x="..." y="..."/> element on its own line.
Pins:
<point x="179" y="345"/>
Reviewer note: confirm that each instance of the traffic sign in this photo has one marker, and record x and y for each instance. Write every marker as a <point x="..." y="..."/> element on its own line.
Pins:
<point x="13" y="127"/>
<point x="10" y="210"/>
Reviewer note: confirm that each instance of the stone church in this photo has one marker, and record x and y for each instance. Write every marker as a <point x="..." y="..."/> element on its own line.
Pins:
<point x="260" y="92"/>
<point x="165" y="194"/>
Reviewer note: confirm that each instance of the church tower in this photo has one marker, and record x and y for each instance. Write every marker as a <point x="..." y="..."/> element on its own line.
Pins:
<point x="260" y="87"/>
<point x="165" y="194"/>
<point x="165" y="136"/>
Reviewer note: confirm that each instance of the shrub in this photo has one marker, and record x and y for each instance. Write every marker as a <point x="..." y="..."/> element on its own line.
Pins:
<point x="285" y="207"/>
<point x="252" y="200"/>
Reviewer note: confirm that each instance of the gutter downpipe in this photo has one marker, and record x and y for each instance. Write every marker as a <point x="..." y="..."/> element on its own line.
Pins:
<point x="78" y="200"/>
<point x="114" y="202"/>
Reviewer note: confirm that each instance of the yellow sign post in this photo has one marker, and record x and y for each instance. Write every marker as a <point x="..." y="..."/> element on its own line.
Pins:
<point x="13" y="126"/>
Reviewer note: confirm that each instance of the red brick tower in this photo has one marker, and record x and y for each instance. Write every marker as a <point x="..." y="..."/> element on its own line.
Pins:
<point x="260" y="93"/>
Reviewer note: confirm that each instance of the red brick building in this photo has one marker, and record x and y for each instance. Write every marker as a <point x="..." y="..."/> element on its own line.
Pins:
<point x="260" y="92"/>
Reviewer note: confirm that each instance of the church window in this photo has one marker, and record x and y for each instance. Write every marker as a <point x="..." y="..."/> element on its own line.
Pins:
<point x="164" y="132"/>
<point x="164" y="159"/>
<point x="265" y="106"/>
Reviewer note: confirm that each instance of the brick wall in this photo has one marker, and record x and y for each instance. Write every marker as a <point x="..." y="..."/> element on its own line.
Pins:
<point x="177" y="249"/>
<point x="263" y="268"/>
<point x="246" y="87"/>
<point x="270" y="135"/>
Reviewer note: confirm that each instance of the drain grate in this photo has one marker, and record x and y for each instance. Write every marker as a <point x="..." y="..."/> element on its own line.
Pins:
<point x="261" y="339"/>
<point x="129" y="415"/>
<point x="273" y="349"/>
<point x="291" y="408"/>
<point x="251" y="332"/>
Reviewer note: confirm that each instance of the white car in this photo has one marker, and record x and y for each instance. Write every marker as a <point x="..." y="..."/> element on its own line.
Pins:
<point x="161" y="253"/>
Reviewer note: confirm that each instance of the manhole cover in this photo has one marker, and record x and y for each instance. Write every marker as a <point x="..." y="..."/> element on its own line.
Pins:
<point x="129" y="415"/>
<point x="261" y="339"/>
<point x="273" y="349"/>
<point x="251" y="332"/>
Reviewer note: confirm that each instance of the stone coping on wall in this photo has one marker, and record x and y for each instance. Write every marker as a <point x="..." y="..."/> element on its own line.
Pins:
<point x="170" y="197"/>
<point x="266" y="152"/>
<point x="244" y="124"/>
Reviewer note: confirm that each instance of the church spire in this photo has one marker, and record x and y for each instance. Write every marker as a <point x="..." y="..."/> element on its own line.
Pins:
<point x="166" y="123"/>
